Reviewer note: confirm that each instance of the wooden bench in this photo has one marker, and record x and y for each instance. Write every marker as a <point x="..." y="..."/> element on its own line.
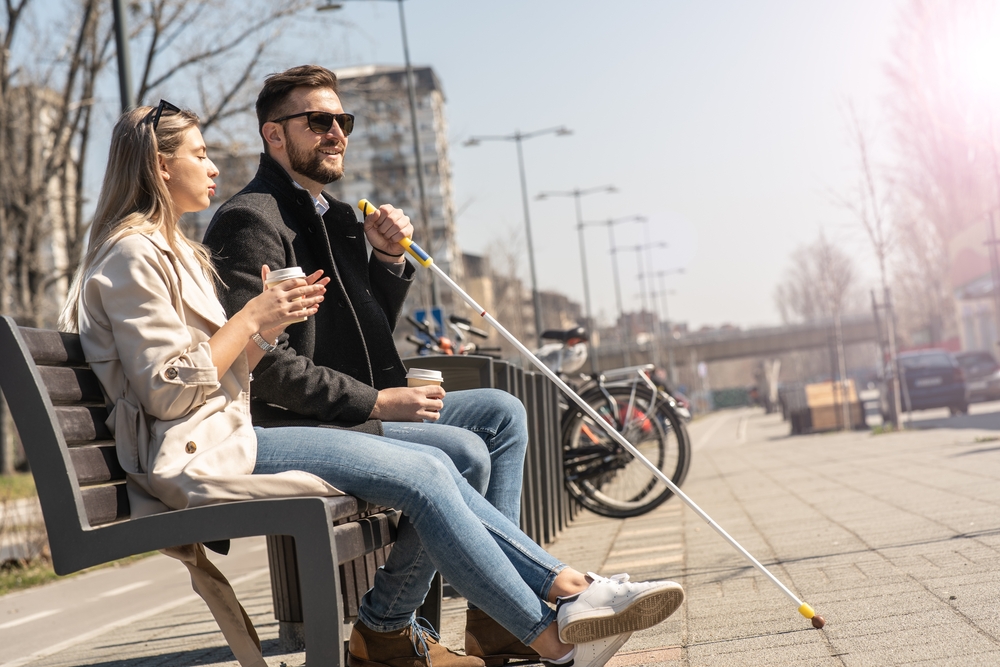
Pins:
<point x="330" y="544"/>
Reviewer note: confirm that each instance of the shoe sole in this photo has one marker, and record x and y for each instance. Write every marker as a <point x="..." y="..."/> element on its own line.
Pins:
<point x="498" y="659"/>
<point x="353" y="661"/>
<point x="600" y="660"/>
<point x="510" y="659"/>
<point x="645" y="611"/>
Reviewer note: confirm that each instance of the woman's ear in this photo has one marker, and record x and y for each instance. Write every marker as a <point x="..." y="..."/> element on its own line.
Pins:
<point x="274" y="134"/>
<point x="162" y="162"/>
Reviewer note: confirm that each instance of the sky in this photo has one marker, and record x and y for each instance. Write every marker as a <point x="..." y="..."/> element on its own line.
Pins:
<point x="723" y="123"/>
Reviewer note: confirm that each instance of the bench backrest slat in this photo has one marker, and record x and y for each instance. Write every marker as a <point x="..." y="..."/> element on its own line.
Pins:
<point x="54" y="348"/>
<point x="105" y="503"/>
<point x="69" y="386"/>
<point x="83" y="423"/>
<point x="97" y="464"/>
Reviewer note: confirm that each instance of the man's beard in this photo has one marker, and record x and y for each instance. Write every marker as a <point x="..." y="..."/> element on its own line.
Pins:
<point x="310" y="164"/>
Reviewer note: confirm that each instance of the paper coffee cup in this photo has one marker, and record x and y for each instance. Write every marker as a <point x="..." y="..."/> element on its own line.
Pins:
<point x="421" y="377"/>
<point x="280" y="276"/>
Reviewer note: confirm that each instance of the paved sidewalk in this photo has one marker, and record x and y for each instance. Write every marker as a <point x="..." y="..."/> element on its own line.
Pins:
<point x="893" y="538"/>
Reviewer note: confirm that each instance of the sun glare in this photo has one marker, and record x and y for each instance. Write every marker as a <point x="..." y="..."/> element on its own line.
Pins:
<point x="978" y="56"/>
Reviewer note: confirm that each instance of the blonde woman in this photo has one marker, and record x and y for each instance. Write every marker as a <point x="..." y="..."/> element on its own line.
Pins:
<point x="177" y="374"/>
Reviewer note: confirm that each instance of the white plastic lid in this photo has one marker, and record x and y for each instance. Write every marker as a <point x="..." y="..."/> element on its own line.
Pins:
<point x="281" y="275"/>
<point x="424" y="374"/>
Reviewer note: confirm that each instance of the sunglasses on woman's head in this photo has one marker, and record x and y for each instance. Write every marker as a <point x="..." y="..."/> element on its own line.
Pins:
<point x="321" y="122"/>
<point x="163" y="107"/>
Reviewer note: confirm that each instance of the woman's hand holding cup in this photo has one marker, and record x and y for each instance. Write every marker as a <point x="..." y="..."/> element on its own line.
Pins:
<point x="285" y="302"/>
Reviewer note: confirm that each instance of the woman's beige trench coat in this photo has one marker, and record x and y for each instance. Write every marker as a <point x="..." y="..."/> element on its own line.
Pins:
<point x="183" y="434"/>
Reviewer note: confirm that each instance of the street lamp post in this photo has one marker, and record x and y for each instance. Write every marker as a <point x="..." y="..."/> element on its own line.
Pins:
<point x="122" y="55"/>
<point x="576" y="193"/>
<point x="425" y="217"/>
<point x="517" y="138"/>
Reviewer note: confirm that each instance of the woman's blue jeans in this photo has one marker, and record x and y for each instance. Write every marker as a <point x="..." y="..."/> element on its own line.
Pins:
<point x="448" y="525"/>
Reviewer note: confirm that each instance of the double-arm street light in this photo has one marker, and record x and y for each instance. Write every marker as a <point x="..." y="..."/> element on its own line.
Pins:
<point x="614" y="266"/>
<point x="517" y="138"/>
<point x="671" y="364"/>
<point x="641" y="249"/>
<point x="576" y="193"/>
<point x="662" y="275"/>
<point x="418" y="156"/>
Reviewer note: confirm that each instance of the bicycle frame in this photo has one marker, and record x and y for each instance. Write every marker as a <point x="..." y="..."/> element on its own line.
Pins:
<point x="633" y="376"/>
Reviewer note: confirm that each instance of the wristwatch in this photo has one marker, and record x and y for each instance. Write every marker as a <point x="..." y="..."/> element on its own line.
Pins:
<point x="263" y="344"/>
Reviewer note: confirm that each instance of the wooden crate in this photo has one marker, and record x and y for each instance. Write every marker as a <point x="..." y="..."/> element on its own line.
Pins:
<point x="825" y="404"/>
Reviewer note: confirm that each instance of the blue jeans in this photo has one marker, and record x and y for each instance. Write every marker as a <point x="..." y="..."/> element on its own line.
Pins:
<point x="485" y="433"/>
<point x="448" y="522"/>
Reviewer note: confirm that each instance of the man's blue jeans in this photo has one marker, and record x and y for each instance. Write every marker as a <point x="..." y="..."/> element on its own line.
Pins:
<point x="481" y="443"/>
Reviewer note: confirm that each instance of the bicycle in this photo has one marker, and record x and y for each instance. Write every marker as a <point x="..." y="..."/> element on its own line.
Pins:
<point x="431" y="343"/>
<point x="598" y="472"/>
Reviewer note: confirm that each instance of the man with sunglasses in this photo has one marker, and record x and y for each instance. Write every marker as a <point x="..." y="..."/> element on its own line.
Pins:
<point x="340" y="368"/>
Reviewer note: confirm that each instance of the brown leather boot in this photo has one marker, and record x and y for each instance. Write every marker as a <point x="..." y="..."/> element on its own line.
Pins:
<point x="487" y="639"/>
<point x="402" y="648"/>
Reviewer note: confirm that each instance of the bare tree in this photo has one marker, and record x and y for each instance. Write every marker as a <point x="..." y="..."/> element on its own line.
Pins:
<point x="820" y="283"/>
<point x="508" y="290"/>
<point x="943" y="130"/>
<point x="920" y="275"/>
<point x="872" y="207"/>
<point x="203" y="51"/>
<point x="207" y="47"/>
<point x="47" y="111"/>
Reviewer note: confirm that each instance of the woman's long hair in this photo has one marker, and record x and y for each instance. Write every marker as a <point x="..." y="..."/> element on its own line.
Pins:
<point x="134" y="198"/>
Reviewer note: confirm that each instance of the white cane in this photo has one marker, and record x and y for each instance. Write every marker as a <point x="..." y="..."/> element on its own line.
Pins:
<point x="427" y="261"/>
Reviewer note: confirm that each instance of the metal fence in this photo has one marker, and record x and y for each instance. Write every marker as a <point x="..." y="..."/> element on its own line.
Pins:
<point x="546" y="507"/>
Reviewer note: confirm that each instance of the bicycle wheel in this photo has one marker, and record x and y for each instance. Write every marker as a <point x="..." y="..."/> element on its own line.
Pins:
<point x="601" y="474"/>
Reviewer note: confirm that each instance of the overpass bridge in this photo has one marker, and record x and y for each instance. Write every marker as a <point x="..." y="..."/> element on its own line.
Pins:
<point x="726" y="344"/>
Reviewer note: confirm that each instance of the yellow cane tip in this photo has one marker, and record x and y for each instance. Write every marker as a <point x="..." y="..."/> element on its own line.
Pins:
<point x="365" y="206"/>
<point x="807" y="611"/>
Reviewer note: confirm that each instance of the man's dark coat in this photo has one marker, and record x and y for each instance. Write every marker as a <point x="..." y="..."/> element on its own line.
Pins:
<point x="328" y="369"/>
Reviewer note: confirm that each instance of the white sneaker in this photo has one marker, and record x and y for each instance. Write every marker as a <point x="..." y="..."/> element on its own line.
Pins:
<point x="615" y="606"/>
<point x="595" y="653"/>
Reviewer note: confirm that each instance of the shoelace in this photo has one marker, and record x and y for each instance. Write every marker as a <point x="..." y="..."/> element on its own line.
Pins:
<point x="420" y="629"/>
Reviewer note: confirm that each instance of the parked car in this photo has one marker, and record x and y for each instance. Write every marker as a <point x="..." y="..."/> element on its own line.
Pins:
<point x="930" y="379"/>
<point x="982" y="375"/>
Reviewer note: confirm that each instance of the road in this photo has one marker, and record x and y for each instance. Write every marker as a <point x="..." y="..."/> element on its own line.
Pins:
<point x="45" y="620"/>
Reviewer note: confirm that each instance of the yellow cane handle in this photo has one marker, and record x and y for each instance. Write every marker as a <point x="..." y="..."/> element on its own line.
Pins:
<point x="416" y="252"/>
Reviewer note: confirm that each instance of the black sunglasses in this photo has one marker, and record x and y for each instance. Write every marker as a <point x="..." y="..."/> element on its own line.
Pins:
<point x="163" y="106"/>
<point x="321" y="122"/>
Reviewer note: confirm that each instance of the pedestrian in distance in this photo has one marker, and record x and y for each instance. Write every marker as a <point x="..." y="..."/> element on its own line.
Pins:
<point x="177" y="374"/>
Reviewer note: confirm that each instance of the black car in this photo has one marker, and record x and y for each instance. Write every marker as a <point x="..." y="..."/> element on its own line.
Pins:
<point x="930" y="379"/>
<point x="982" y="375"/>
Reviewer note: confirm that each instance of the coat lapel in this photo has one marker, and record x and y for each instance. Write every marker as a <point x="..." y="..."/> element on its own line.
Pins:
<point x="196" y="291"/>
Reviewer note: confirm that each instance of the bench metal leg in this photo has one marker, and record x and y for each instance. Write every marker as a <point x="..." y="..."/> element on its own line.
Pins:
<point x="322" y="607"/>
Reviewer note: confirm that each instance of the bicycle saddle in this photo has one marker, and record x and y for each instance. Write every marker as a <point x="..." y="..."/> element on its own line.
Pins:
<point x="568" y="336"/>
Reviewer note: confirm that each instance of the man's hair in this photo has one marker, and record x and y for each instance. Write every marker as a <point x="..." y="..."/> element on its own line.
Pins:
<point x="273" y="97"/>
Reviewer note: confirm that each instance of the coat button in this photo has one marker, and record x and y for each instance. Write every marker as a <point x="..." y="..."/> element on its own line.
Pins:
<point x="342" y="303"/>
<point x="191" y="447"/>
<point x="171" y="373"/>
